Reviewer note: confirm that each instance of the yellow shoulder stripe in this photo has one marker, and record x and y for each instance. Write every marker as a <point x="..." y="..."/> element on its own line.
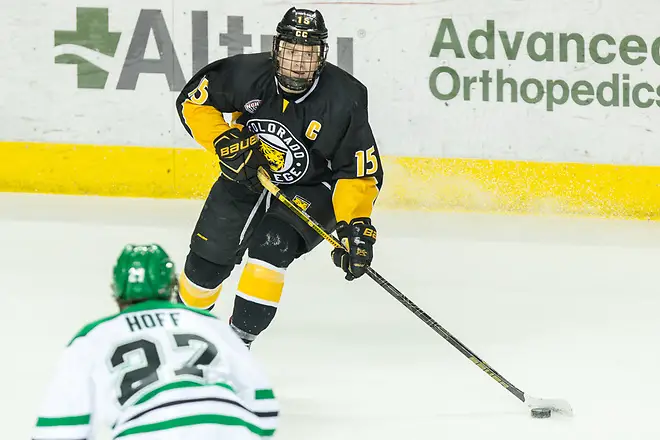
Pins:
<point x="205" y="123"/>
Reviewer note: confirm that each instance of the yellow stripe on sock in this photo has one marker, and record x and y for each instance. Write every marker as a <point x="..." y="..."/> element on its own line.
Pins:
<point x="261" y="282"/>
<point x="194" y="296"/>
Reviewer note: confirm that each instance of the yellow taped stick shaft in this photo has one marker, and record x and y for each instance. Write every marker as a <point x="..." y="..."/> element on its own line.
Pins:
<point x="264" y="178"/>
<point x="557" y="405"/>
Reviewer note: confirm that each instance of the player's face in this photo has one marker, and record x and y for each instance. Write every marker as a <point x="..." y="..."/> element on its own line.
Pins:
<point x="298" y="60"/>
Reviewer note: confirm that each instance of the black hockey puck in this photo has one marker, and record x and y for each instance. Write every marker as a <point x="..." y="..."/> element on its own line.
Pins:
<point x="541" y="413"/>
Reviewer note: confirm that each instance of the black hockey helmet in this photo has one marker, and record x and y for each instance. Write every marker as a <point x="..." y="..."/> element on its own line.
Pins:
<point x="300" y="48"/>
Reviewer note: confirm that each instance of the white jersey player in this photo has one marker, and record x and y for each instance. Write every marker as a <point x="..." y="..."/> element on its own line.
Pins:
<point x="156" y="370"/>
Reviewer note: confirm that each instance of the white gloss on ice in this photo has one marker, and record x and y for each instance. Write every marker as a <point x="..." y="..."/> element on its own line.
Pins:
<point x="566" y="308"/>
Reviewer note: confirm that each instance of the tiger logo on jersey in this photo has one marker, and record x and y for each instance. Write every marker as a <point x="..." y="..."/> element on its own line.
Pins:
<point x="274" y="156"/>
<point x="288" y="157"/>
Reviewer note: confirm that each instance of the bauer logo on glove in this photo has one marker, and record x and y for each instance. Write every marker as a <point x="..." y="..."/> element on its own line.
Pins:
<point x="235" y="147"/>
<point x="370" y="232"/>
<point x="359" y="237"/>
<point x="240" y="157"/>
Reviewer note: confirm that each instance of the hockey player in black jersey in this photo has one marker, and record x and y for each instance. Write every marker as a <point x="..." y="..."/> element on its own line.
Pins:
<point x="305" y="121"/>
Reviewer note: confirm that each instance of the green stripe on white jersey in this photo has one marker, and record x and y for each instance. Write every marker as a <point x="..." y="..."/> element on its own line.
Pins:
<point x="153" y="366"/>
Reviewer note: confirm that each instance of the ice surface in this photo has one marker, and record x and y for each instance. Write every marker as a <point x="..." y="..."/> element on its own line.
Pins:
<point x="561" y="307"/>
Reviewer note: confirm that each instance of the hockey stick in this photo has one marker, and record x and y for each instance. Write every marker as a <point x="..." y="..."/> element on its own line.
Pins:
<point x="554" y="405"/>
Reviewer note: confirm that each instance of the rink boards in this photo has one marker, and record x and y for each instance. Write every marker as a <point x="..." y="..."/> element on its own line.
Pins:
<point x="411" y="183"/>
<point x="476" y="105"/>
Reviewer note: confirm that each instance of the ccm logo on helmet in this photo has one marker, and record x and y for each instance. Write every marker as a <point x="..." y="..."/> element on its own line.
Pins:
<point x="301" y="34"/>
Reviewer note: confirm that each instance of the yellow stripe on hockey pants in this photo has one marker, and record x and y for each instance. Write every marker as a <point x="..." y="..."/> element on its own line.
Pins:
<point x="193" y="295"/>
<point x="261" y="283"/>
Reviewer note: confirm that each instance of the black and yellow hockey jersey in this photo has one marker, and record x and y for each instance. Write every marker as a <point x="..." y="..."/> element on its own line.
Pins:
<point x="320" y="136"/>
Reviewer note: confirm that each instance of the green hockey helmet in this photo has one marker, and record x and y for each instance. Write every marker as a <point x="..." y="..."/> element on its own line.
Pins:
<point x="143" y="272"/>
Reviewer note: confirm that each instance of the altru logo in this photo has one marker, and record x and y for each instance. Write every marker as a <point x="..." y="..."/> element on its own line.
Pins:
<point x="93" y="48"/>
<point x="92" y="33"/>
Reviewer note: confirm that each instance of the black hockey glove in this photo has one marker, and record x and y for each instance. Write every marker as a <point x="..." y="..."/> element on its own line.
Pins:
<point x="358" y="237"/>
<point x="240" y="157"/>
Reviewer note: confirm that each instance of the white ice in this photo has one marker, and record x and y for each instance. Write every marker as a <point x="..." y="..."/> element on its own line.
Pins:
<point x="561" y="307"/>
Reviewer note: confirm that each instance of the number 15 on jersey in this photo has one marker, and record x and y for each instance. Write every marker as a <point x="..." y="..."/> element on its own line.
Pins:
<point x="367" y="162"/>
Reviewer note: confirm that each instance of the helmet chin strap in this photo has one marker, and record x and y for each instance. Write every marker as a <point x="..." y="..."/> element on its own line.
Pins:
<point x="285" y="89"/>
<point x="288" y="90"/>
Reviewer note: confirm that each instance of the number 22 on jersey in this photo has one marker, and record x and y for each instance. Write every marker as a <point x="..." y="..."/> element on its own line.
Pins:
<point x="134" y="380"/>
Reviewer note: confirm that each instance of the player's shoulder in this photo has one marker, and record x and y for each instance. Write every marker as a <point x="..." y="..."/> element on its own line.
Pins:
<point x="337" y="76"/>
<point x="164" y="305"/>
<point x="242" y="71"/>
<point x="252" y="61"/>
<point x="90" y="327"/>
<point x="353" y="91"/>
<point x="97" y="326"/>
